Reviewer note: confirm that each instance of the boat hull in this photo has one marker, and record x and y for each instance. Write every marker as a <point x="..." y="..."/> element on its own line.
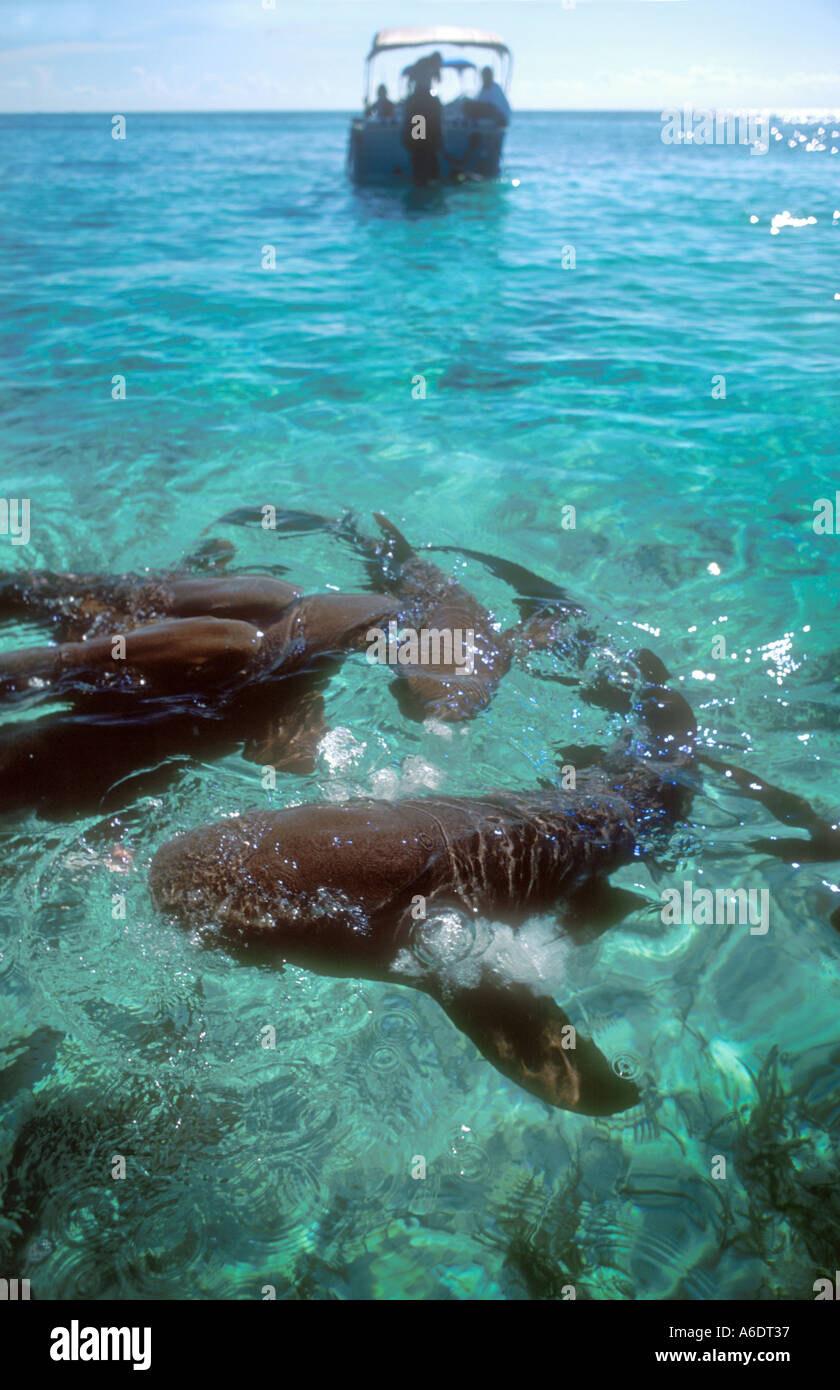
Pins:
<point x="376" y="154"/>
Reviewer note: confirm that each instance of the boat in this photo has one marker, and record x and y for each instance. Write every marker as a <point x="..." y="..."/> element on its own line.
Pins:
<point x="472" y="141"/>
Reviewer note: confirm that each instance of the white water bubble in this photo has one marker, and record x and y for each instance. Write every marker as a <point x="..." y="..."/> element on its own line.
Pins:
<point x="444" y="938"/>
<point x="340" y="749"/>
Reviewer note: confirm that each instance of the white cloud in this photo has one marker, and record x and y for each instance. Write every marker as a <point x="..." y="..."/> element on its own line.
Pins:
<point x="35" y="52"/>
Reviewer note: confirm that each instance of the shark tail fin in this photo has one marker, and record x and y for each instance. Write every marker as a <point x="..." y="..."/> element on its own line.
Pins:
<point x="531" y="1041"/>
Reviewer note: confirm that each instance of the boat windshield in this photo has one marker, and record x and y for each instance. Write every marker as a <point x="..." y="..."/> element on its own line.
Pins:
<point x="459" y="76"/>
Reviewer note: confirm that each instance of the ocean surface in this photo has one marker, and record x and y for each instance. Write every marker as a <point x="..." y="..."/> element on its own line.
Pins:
<point x="617" y="325"/>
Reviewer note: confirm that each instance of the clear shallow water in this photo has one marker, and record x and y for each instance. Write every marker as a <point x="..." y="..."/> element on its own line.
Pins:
<point x="546" y="387"/>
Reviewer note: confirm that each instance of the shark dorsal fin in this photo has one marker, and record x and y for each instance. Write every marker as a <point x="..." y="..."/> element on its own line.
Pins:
<point x="400" y="550"/>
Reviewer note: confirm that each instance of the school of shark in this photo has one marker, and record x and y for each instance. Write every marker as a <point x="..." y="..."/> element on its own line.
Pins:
<point x="149" y="667"/>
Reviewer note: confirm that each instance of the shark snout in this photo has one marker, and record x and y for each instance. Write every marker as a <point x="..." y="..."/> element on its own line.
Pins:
<point x="193" y="874"/>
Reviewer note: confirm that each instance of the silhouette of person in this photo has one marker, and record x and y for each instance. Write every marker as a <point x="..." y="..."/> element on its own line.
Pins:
<point x="422" y="131"/>
<point x="383" y="107"/>
<point x="491" y="102"/>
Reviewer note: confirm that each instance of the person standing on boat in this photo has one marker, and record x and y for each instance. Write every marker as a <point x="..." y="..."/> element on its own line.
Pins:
<point x="422" y="130"/>
<point x="491" y="102"/>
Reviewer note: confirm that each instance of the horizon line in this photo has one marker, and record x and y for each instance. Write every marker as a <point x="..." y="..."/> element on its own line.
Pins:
<point x="346" y="111"/>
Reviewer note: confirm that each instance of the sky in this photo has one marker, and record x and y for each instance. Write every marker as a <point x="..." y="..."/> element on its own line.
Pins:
<point x="296" y="55"/>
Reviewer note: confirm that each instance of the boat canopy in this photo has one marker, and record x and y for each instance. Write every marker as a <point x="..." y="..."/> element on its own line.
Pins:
<point x="458" y="64"/>
<point x="387" y="40"/>
<point x="441" y="33"/>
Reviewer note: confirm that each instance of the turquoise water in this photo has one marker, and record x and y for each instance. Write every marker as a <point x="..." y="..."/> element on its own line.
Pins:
<point x="546" y="386"/>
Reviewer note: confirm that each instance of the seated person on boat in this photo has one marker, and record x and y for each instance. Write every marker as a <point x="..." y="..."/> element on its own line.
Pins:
<point x="383" y="107"/>
<point x="491" y="103"/>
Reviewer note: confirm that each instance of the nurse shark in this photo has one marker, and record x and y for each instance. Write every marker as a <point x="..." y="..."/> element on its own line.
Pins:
<point x="391" y="890"/>
<point x="150" y="668"/>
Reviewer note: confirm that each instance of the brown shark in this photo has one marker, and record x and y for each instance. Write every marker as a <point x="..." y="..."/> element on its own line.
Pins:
<point x="468" y="654"/>
<point x="439" y="618"/>
<point x="147" y="694"/>
<point x="80" y="606"/>
<point x="361" y="888"/>
<point x="155" y="665"/>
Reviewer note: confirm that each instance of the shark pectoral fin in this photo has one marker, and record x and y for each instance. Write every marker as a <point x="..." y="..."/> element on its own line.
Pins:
<point x="535" y="594"/>
<point x="652" y="669"/>
<point x="580" y="755"/>
<point x="597" y="907"/>
<point x="210" y="555"/>
<point x="822" y="848"/>
<point x="532" y="1042"/>
<point x="788" y="808"/>
<point x="290" y="742"/>
<point x="288" y="522"/>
